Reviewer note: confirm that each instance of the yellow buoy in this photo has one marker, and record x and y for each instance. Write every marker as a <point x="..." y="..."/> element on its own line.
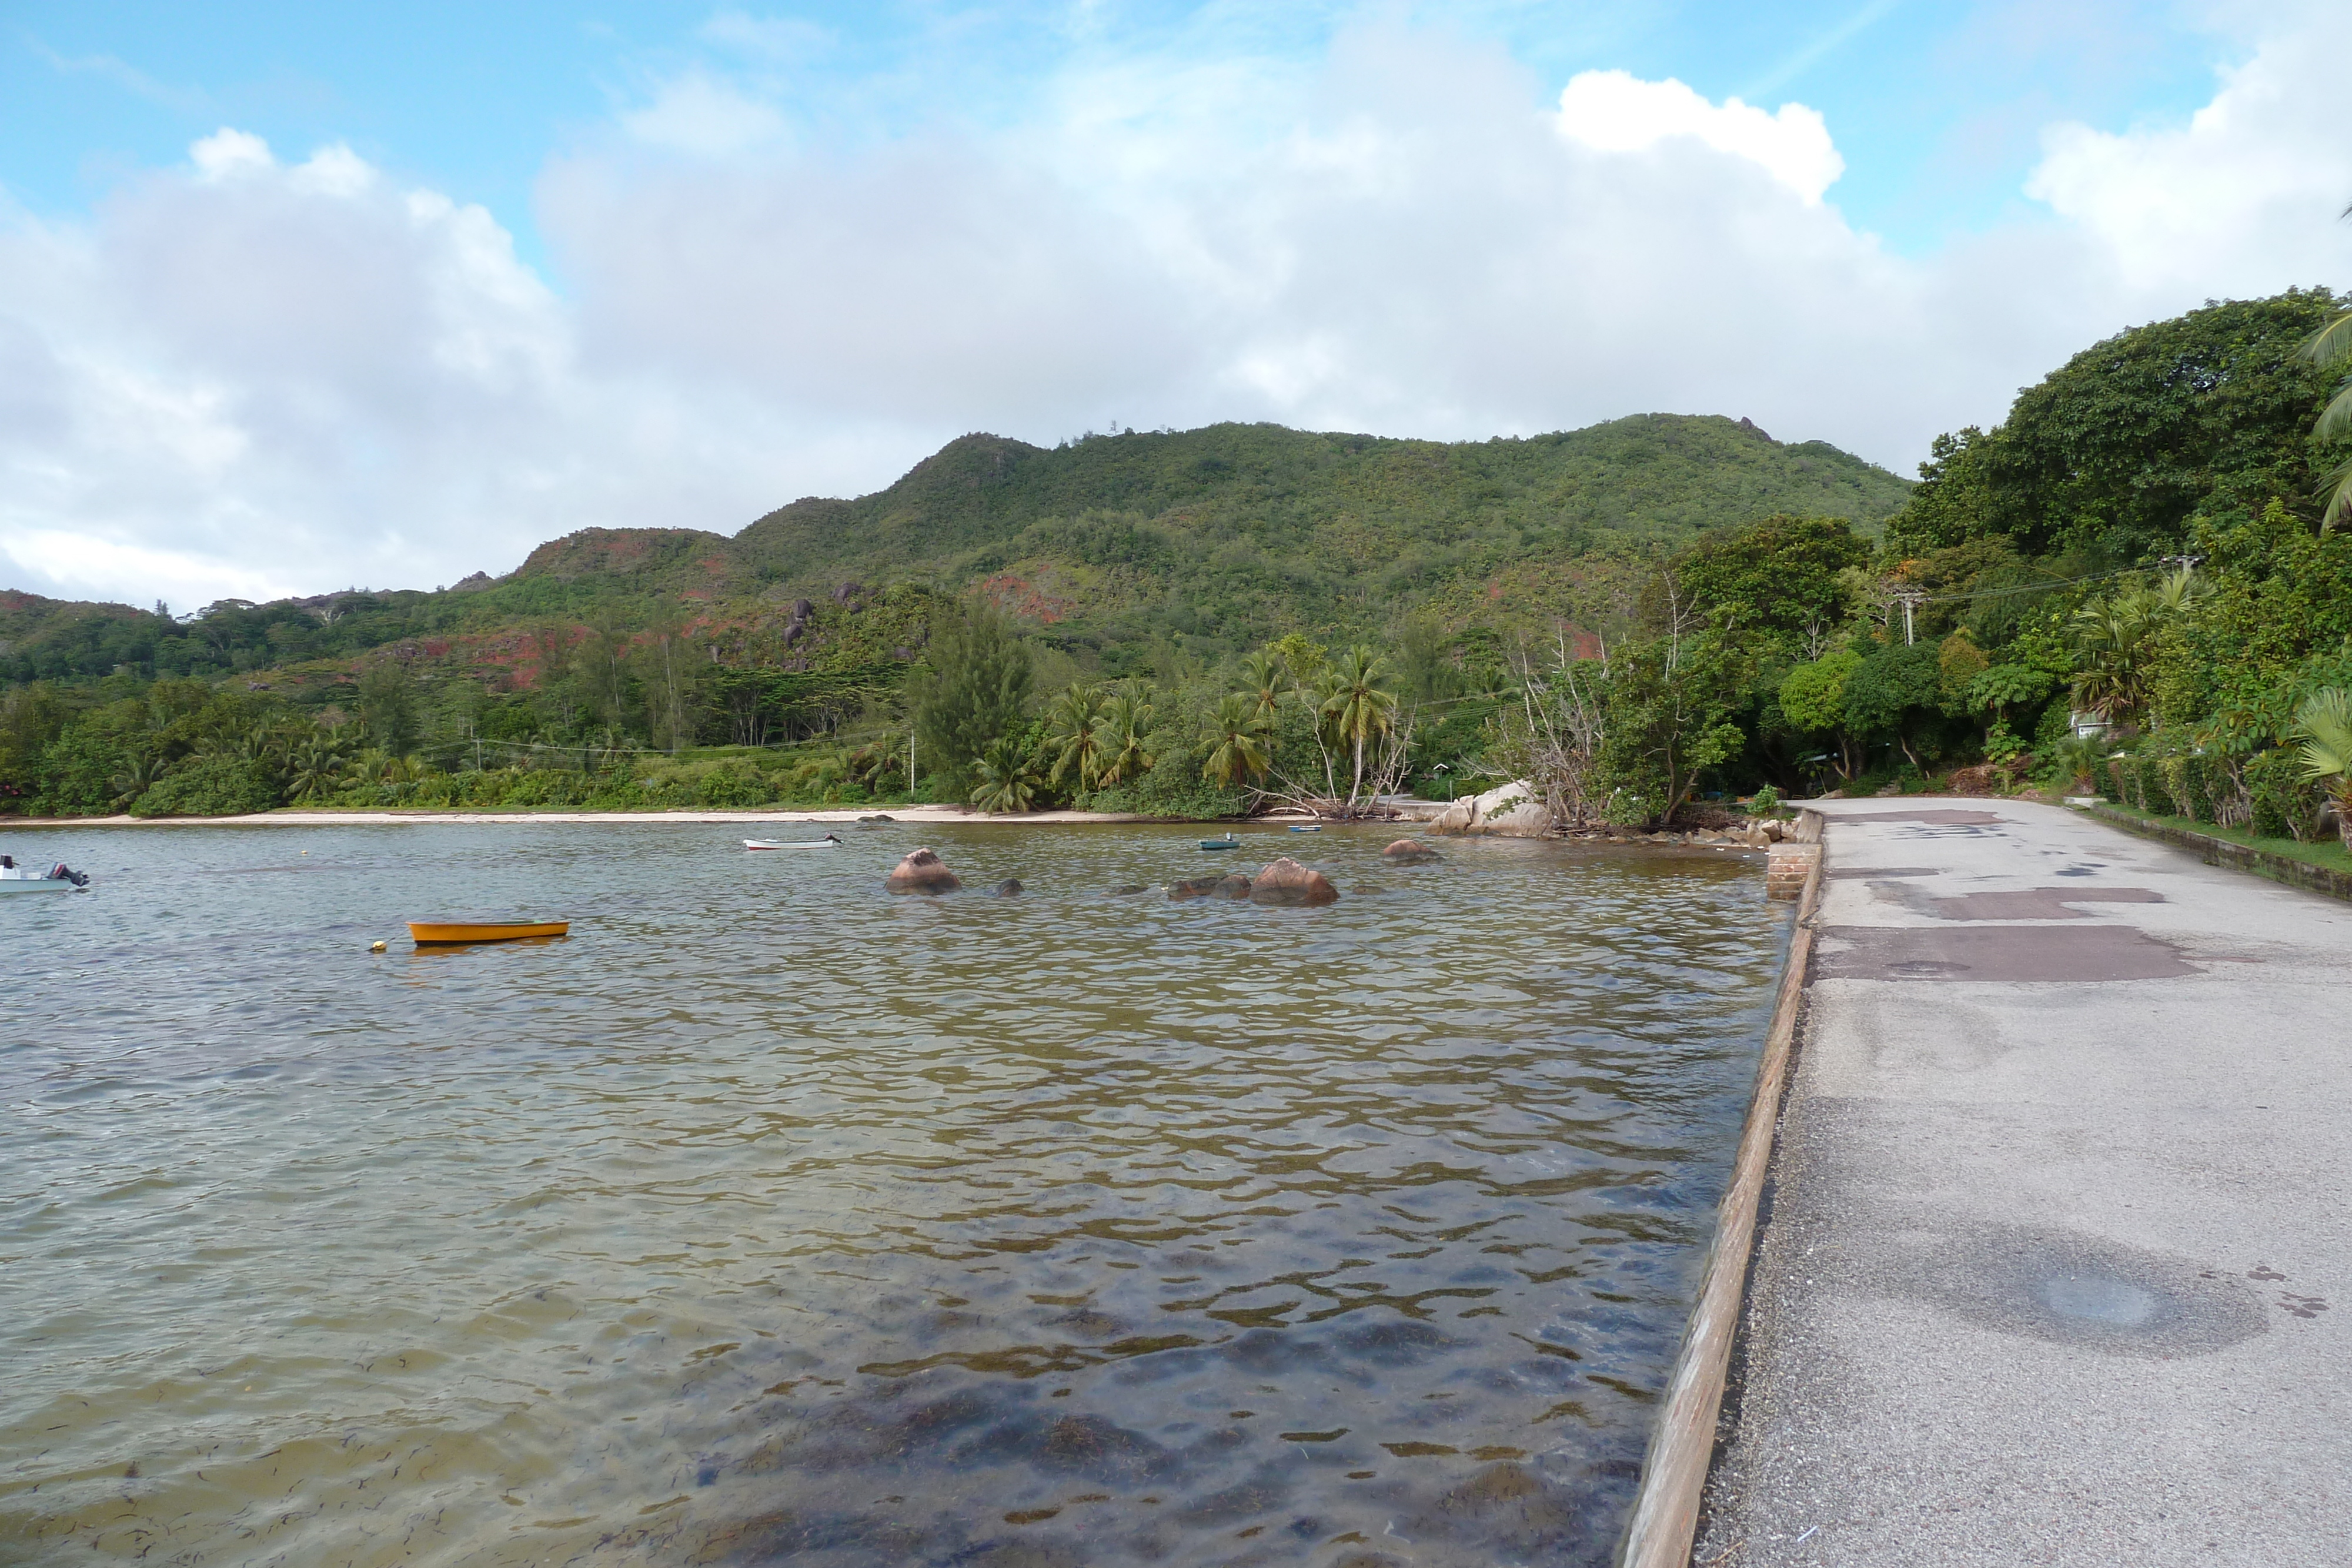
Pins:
<point x="375" y="947"/>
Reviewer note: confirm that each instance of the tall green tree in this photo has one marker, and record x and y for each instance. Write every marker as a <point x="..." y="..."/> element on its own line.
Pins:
<point x="1238" y="729"/>
<point x="976" y="690"/>
<point x="1071" y="740"/>
<point x="388" y="707"/>
<point x="2115" y="451"/>
<point x="1359" y="705"/>
<point x="1265" y="681"/>
<point x="1780" y="578"/>
<point x="1122" y="739"/>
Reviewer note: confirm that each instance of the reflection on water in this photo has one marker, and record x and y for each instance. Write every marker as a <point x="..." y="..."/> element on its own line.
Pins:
<point x="768" y="1218"/>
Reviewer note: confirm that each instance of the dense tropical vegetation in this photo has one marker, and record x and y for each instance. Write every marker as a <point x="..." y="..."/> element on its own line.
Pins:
<point x="2130" y="586"/>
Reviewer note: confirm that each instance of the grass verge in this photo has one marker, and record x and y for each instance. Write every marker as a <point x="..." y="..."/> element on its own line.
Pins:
<point x="2326" y="854"/>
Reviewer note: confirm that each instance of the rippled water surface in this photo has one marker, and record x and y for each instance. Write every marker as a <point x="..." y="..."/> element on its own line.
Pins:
<point x="768" y="1218"/>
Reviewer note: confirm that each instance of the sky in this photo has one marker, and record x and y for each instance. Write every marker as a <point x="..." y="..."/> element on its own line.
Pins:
<point x="302" y="296"/>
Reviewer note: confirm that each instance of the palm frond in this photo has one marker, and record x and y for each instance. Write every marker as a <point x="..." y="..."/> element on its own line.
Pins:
<point x="2330" y="343"/>
<point x="2335" y="418"/>
<point x="2336" y="488"/>
<point x="2324" y="722"/>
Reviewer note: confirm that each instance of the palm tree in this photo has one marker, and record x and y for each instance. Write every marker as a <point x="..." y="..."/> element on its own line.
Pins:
<point x="136" y="779"/>
<point x="1265" y="682"/>
<point x="1238" y="726"/>
<point x="2329" y="346"/>
<point x="2113" y="648"/>
<point x="1119" y="739"/>
<point x="1004" y="778"/>
<point x="316" y="764"/>
<point x="1357" y="702"/>
<point x="1071" y="737"/>
<point x="2324" y="722"/>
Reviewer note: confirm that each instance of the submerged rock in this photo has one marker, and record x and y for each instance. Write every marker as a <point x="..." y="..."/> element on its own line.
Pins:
<point x="1233" y="884"/>
<point x="1287" y="883"/>
<point x="1009" y="888"/>
<point x="922" y="871"/>
<point x="1127" y="888"/>
<point x="1193" y="886"/>
<point x="1408" y="852"/>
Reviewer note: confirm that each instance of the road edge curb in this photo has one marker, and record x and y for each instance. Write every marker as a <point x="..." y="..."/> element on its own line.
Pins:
<point x="1665" y="1519"/>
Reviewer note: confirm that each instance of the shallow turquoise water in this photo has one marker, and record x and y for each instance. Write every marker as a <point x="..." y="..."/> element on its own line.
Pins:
<point x="768" y="1218"/>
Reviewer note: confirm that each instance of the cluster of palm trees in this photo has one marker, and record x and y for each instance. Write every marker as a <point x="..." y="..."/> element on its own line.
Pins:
<point x="309" y="761"/>
<point x="1097" y="737"/>
<point x="2116" y="644"/>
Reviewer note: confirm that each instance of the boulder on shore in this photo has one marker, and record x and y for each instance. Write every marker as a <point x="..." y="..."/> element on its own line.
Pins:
<point x="922" y="871"/>
<point x="1292" y="885"/>
<point x="1406" y="852"/>
<point x="1516" y="810"/>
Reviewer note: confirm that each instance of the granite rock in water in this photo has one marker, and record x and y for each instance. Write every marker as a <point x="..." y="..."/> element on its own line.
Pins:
<point x="1009" y="888"/>
<point x="922" y="871"/>
<point x="1288" y="884"/>
<point x="1233" y="884"/>
<point x="1194" y="887"/>
<point x="1408" y="852"/>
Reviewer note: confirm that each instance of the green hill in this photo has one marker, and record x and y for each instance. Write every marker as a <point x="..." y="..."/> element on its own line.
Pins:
<point x="1208" y="539"/>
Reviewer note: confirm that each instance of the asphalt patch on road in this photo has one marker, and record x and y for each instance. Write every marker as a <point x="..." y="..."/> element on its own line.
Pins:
<point x="2067" y="1288"/>
<point x="2006" y="953"/>
<point x="2032" y="903"/>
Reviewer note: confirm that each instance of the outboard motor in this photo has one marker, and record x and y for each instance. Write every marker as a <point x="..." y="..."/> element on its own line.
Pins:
<point x="65" y="872"/>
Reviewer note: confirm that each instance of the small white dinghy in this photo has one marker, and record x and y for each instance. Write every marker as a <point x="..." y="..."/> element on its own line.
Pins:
<point x="14" y="878"/>
<point x="826" y="842"/>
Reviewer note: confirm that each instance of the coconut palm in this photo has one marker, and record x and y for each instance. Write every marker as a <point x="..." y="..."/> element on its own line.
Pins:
<point x="2325" y="723"/>
<point x="1119" y="739"/>
<point x="1238" y="727"/>
<point x="1071" y="738"/>
<point x="1004" y="778"/>
<point x="1357" y="702"/>
<point x="2330" y="346"/>
<point x="315" y="766"/>
<point x="2114" y="650"/>
<point x="1265" y="682"/>
<point x="136" y="779"/>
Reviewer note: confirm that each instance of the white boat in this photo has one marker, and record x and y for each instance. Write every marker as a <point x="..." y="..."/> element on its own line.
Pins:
<point x="826" y="842"/>
<point x="14" y="878"/>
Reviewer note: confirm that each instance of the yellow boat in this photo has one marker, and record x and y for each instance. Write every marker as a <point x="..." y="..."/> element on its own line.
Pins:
<point x="428" y="932"/>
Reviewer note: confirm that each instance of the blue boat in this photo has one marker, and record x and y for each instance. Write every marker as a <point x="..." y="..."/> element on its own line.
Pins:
<point x="1308" y="828"/>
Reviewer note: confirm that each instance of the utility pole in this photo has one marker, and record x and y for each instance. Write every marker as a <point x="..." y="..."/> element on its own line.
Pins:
<point x="910" y="763"/>
<point x="1910" y="599"/>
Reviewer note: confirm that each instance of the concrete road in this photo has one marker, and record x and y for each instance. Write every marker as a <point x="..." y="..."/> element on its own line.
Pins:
<point x="2057" y="1265"/>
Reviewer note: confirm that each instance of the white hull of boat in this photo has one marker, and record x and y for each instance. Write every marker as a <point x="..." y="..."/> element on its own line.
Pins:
<point x="36" y="885"/>
<point x="791" y="845"/>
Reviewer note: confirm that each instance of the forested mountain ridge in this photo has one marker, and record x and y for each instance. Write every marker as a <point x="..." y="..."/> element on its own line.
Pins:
<point x="1210" y="539"/>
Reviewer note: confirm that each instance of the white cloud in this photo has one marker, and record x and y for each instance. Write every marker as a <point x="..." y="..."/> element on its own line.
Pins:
<point x="1614" y="111"/>
<point x="228" y="153"/>
<point x="699" y="115"/>
<point x="2236" y="201"/>
<point x="246" y="372"/>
